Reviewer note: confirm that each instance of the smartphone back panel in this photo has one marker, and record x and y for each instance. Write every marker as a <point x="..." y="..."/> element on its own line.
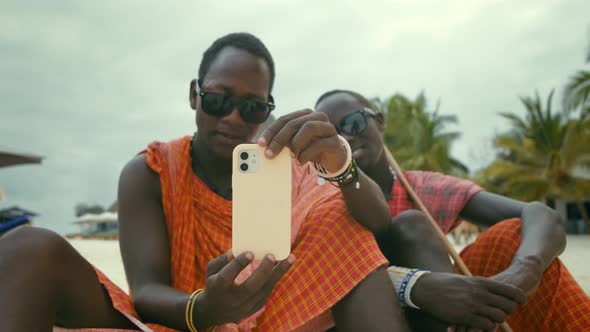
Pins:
<point x="261" y="200"/>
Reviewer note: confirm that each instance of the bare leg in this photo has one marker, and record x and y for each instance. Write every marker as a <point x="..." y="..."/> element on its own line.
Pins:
<point x="370" y="306"/>
<point x="411" y="242"/>
<point x="44" y="281"/>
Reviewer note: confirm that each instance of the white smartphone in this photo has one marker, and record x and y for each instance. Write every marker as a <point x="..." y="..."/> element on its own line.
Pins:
<point x="261" y="201"/>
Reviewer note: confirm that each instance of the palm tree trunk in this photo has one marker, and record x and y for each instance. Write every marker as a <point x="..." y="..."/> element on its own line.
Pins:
<point x="584" y="215"/>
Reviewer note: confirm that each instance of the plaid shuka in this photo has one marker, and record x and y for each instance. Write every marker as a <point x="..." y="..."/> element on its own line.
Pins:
<point x="199" y="229"/>
<point x="444" y="196"/>
<point x="559" y="304"/>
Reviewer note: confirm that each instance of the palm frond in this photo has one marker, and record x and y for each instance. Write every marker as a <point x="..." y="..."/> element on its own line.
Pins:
<point x="420" y="103"/>
<point x="541" y="153"/>
<point x="576" y="144"/>
<point x="577" y="91"/>
<point x="418" y="136"/>
<point x="516" y="121"/>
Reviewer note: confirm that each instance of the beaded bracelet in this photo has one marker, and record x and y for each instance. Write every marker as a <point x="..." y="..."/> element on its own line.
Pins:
<point x="403" y="280"/>
<point x="343" y="177"/>
<point x="351" y="175"/>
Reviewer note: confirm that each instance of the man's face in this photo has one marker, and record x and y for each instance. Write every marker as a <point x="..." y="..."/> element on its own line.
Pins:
<point x="235" y="73"/>
<point x="366" y="146"/>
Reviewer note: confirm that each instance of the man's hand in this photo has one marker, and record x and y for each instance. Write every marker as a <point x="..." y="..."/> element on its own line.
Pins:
<point x="474" y="302"/>
<point x="524" y="274"/>
<point x="224" y="301"/>
<point x="309" y="135"/>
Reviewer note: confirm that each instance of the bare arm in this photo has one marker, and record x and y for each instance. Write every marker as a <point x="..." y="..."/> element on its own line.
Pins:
<point x="543" y="235"/>
<point x="146" y="256"/>
<point x="367" y="205"/>
<point x="145" y="247"/>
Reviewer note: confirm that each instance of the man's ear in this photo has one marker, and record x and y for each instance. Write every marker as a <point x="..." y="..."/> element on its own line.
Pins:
<point x="193" y="94"/>
<point x="380" y="119"/>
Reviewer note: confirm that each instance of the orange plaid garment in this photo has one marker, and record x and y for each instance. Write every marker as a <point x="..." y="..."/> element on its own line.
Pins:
<point x="559" y="304"/>
<point x="334" y="253"/>
<point x="444" y="196"/>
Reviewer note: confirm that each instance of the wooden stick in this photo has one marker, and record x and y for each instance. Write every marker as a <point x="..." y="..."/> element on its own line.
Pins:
<point x="452" y="252"/>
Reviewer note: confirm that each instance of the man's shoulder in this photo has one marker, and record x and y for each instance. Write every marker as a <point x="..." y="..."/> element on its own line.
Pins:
<point x="157" y="152"/>
<point x="176" y="143"/>
<point x="138" y="171"/>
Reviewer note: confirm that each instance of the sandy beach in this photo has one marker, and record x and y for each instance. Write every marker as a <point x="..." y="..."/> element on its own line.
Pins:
<point x="106" y="256"/>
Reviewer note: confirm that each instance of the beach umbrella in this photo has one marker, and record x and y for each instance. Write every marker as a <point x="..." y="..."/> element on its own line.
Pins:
<point x="12" y="158"/>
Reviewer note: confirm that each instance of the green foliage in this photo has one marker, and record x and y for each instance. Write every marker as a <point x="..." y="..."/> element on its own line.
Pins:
<point x="417" y="137"/>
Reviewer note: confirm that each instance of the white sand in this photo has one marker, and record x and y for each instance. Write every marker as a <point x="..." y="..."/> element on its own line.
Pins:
<point x="106" y="256"/>
<point x="577" y="259"/>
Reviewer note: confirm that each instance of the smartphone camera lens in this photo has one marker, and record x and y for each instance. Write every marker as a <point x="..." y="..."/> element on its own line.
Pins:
<point x="244" y="167"/>
<point x="244" y="156"/>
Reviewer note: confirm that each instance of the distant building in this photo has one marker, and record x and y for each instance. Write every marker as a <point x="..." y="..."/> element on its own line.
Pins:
<point x="97" y="226"/>
<point x="569" y="210"/>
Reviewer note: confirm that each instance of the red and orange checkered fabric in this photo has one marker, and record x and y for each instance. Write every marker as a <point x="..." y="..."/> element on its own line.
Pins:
<point x="559" y="304"/>
<point x="334" y="253"/>
<point x="444" y="196"/>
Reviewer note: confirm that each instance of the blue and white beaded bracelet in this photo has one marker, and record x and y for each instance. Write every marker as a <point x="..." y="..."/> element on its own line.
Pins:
<point x="403" y="280"/>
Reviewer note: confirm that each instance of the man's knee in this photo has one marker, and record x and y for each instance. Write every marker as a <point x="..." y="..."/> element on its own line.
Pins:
<point x="411" y="226"/>
<point x="33" y="244"/>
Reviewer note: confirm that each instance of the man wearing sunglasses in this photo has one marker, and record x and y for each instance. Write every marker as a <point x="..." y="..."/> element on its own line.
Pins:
<point x="175" y="231"/>
<point x="517" y="255"/>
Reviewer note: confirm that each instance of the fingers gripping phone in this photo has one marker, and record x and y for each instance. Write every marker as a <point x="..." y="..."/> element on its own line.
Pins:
<point x="261" y="201"/>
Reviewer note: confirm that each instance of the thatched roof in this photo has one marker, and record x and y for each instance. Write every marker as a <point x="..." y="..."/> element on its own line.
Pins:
<point x="93" y="218"/>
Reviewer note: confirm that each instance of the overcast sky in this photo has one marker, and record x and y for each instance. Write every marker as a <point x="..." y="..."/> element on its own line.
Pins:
<point x="88" y="84"/>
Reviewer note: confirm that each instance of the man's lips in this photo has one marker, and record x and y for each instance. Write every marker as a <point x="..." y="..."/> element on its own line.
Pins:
<point x="230" y="136"/>
<point x="226" y="138"/>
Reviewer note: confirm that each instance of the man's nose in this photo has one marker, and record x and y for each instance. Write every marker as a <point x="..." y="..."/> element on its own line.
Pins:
<point x="234" y="117"/>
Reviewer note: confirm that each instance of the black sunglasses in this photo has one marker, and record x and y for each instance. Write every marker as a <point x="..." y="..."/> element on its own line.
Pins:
<point x="355" y="123"/>
<point x="220" y="105"/>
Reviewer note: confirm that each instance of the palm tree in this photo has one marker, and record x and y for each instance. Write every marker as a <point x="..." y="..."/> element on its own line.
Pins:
<point x="83" y="208"/>
<point x="418" y="138"/>
<point x="537" y="159"/>
<point x="577" y="90"/>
